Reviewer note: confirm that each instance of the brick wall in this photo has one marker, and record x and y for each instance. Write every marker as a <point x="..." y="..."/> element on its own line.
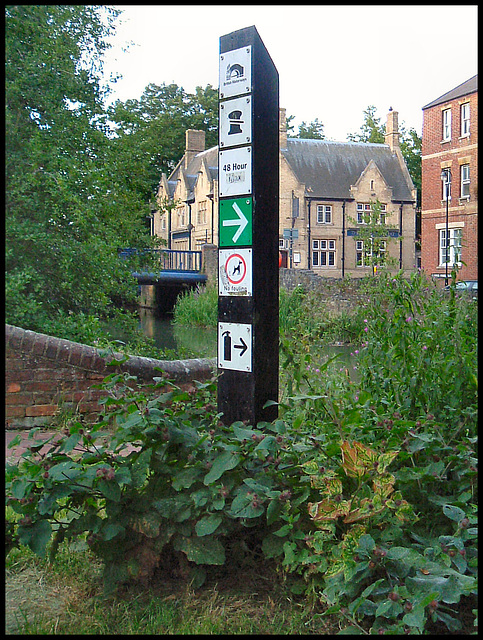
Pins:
<point x="44" y="373"/>
<point x="462" y="212"/>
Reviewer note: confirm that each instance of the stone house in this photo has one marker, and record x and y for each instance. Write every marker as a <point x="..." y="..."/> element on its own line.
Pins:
<point x="449" y="202"/>
<point x="326" y="191"/>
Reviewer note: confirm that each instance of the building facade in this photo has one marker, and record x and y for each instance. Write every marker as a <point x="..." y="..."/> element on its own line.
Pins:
<point x="327" y="190"/>
<point x="449" y="204"/>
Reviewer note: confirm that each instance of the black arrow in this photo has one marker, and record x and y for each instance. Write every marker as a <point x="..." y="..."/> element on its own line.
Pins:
<point x="243" y="346"/>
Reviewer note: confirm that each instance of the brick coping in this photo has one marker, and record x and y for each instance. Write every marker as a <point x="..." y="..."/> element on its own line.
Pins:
<point x="98" y="360"/>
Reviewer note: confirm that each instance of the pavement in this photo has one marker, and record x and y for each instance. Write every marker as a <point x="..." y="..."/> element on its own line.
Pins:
<point x="13" y="454"/>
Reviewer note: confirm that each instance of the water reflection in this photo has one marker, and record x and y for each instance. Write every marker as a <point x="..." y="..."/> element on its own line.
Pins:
<point x="198" y="341"/>
<point x="201" y="342"/>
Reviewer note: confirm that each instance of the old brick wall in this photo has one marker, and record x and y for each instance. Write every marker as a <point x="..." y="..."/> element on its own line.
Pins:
<point x="462" y="212"/>
<point x="45" y="374"/>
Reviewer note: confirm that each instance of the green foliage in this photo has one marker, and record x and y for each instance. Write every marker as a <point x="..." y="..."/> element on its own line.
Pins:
<point x="197" y="307"/>
<point x="410" y="142"/>
<point x="67" y="206"/>
<point x="371" y="130"/>
<point x="313" y="130"/>
<point x="374" y="233"/>
<point x="80" y="178"/>
<point x="150" y="132"/>
<point x="363" y="492"/>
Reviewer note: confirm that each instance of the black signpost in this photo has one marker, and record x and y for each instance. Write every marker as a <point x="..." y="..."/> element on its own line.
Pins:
<point x="248" y="178"/>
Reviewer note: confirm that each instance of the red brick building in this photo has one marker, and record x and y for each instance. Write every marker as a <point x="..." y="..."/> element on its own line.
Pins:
<point x="449" y="216"/>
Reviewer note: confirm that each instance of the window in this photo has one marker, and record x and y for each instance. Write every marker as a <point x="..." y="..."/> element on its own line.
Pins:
<point x="465" y="180"/>
<point x="181" y="217"/>
<point x="324" y="214"/>
<point x="364" y="213"/>
<point x="446" y="125"/>
<point x="450" y="252"/>
<point x="465" y="119"/>
<point x="365" y="256"/>
<point x="282" y="243"/>
<point x="163" y="223"/>
<point x="323" y="254"/>
<point x="446" y="182"/>
<point x="383" y="214"/>
<point x="201" y="218"/>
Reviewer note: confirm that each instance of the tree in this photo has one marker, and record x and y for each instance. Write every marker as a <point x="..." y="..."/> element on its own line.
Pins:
<point x="312" y="131"/>
<point x="150" y="132"/>
<point x="410" y="142"/>
<point x="411" y="149"/>
<point x="375" y="237"/>
<point x="68" y="207"/>
<point x="371" y="129"/>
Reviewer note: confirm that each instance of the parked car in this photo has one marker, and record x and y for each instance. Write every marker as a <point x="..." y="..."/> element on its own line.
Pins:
<point x="466" y="285"/>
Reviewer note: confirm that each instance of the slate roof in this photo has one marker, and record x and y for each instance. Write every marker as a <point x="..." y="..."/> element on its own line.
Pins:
<point x="328" y="169"/>
<point x="211" y="157"/>
<point x="463" y="89"/>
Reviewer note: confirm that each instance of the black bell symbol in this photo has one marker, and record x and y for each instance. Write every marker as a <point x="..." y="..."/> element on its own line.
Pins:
<point x="235" y="121"/>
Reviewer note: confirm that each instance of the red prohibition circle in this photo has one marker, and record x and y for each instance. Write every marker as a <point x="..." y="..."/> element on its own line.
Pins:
<point x="241" y="270"/>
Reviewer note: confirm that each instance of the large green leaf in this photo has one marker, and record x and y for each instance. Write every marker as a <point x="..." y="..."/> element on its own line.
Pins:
<point x="186" y="477"/>
<point x="201" y="550"/>
<point x="140" y="468"/>
<point x="224" y="462"/>
<point x="36" y="536"/>
<point x="208" y="524"/>
<point x="110" y="489"/>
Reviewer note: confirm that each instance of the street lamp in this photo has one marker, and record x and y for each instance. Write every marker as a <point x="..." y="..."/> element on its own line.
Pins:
<point x="446" y="179"/>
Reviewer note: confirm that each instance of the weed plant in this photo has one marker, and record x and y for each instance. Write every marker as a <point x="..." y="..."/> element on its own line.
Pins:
<point x="197" y="307"/>
<point x="362" y="494"/>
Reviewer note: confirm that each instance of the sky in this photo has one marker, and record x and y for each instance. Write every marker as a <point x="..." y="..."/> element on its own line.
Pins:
<point x="333" y="61"/>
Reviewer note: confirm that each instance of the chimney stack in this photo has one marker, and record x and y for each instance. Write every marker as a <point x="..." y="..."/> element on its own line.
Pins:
<point x="195" y="142"/>
<point x="391" y="136"/>
<point x="283" y="128"/>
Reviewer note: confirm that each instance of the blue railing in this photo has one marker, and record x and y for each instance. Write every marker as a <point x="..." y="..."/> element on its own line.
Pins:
<point x="167" y="259"/>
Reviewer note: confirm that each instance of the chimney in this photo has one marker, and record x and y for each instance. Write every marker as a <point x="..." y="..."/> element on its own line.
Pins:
<point x="283" y="128"/>
<point x="195" y="142"/>
<point x="391" y="136"/>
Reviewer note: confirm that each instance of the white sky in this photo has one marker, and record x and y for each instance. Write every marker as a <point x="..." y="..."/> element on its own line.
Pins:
<point x="332" y="60"/>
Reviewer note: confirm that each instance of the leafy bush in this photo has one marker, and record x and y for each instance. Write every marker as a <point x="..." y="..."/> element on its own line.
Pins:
<point x="363" y="494"/>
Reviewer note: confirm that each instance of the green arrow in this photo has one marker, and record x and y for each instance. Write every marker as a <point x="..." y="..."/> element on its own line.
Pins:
<point x="240" y="222"/>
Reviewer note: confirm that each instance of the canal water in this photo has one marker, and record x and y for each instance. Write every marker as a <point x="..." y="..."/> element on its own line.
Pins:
<point x="198" y="342"/>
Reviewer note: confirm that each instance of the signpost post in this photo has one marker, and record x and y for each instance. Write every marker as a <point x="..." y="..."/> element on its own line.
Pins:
<point x="248" y="173"/>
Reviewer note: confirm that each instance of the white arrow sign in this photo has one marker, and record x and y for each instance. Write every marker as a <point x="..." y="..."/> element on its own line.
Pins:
<point x="240" y="222"/>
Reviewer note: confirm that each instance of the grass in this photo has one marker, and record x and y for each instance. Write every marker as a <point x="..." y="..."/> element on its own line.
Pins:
<point x="67" y="598"/>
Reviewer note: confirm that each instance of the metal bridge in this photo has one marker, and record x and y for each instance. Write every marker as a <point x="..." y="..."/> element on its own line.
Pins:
<point x="165" y="266"/>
